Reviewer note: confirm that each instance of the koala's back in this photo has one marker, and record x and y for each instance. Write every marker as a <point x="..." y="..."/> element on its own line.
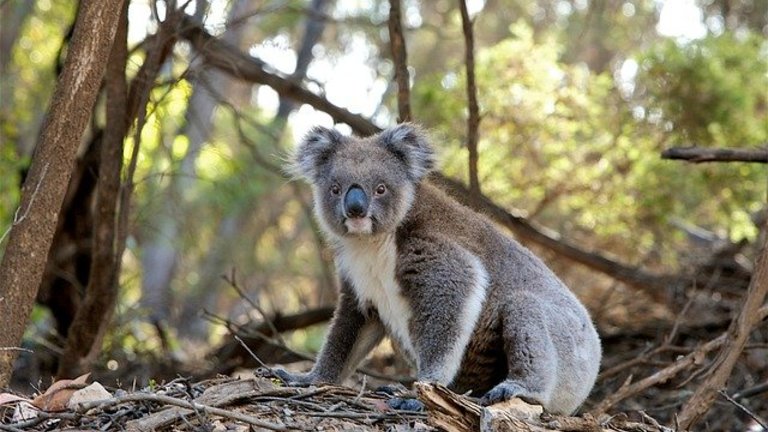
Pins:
<point x="521" y="293"/>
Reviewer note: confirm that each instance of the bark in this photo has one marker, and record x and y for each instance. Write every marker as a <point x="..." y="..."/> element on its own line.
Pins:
<point x="400" y="59"/>
<point x="69" y="258"/>
<point x="94" y="314"/>
<point x="23" y="263"/>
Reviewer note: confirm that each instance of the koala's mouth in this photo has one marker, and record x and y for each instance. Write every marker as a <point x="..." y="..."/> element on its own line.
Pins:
<point x="359" y="225"/>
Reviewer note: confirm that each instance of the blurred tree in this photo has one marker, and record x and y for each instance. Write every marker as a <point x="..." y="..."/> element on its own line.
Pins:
<point x="23" y="263"/>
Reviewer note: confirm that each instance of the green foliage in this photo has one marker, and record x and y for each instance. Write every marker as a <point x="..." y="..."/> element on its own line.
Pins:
<point x="711" y="92"/>
<point x="565" y="145"/>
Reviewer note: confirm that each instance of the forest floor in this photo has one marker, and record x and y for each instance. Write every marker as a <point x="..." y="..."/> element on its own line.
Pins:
<point x="261" y="403"/>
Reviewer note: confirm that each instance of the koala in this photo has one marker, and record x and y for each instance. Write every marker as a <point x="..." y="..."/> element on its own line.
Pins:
<point x="469" y="306"/>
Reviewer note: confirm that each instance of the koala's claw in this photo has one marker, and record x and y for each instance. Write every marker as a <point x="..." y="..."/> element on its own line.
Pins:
<point x="390" y="389"/>
<point x="405" y="404"/>
<point x="293" y="380"/>
<point x="504" y="391"/>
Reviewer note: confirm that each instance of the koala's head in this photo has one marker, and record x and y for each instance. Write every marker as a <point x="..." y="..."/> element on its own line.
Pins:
<point x="363" y="186"/>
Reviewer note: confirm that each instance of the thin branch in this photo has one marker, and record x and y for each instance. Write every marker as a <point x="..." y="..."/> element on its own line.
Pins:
<point x="473" y="120"/>
<point x="752" y="391"/>
<point x="703" y="154"/>
<point x="763" y="424"/>
<point x="400" y="58"/>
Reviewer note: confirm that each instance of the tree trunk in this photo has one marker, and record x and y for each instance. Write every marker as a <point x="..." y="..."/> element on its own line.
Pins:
<point x="94" y="314"/>
<point x="23" y="263"/>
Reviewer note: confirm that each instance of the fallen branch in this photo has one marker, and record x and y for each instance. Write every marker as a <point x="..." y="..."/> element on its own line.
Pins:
<point x="703" y="154"/>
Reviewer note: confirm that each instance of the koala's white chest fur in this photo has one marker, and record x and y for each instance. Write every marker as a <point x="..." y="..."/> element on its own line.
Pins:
<point x="369" y="263"/>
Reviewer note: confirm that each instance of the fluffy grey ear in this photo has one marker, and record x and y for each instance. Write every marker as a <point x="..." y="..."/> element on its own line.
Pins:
<point x="409" y="143"/>
<point x="313" y="151"/>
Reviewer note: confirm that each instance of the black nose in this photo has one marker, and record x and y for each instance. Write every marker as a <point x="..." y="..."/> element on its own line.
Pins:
<point x="355" y="202"/>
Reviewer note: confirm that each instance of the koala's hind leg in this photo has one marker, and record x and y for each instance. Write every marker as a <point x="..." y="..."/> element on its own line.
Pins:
<point x="531" y="354"/>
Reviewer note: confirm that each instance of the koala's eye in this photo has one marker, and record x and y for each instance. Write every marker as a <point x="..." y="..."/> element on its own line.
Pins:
<point x="381" y="189"/>
<point x="335" y="189"/>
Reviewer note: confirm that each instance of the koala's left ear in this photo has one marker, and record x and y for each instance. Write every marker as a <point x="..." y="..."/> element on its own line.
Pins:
<point x="314" y="150"/>
<point x="410" y="144"/>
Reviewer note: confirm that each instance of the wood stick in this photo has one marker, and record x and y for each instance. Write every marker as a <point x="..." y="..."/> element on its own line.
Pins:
<point x="703" y="154"/>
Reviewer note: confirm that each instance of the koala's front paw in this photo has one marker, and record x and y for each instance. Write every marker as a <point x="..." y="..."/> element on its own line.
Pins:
<point x="405" y="404"/>
<point x="293" y="379"/>
<point x="391" y="389"/>
<point x="505" y="391"/>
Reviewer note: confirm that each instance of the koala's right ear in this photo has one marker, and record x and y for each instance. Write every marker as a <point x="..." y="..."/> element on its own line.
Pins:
<point x="409" y="143"/>
<point x="314" y="150"/>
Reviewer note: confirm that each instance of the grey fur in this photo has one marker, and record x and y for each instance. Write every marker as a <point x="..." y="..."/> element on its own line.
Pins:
<point x="471" y="307"/>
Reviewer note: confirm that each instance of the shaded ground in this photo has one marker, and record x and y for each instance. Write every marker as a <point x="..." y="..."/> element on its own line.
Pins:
<point x="229" y="404"/>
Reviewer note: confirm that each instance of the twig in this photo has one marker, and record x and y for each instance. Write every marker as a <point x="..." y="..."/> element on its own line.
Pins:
<point x="763" y="424"/>
<point x="232" y="281"/>
<point x="41" y="416"/>
<point x="400" y="59"/>
<point x="367" y="416"/>
<point x="473" y="120"/>
<point x="16" y="349"/>
<point x="752" y="391"/>
<point x="258" y="360"/>
<point x="666" y="345"/>
<point x="703" y="154"/>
